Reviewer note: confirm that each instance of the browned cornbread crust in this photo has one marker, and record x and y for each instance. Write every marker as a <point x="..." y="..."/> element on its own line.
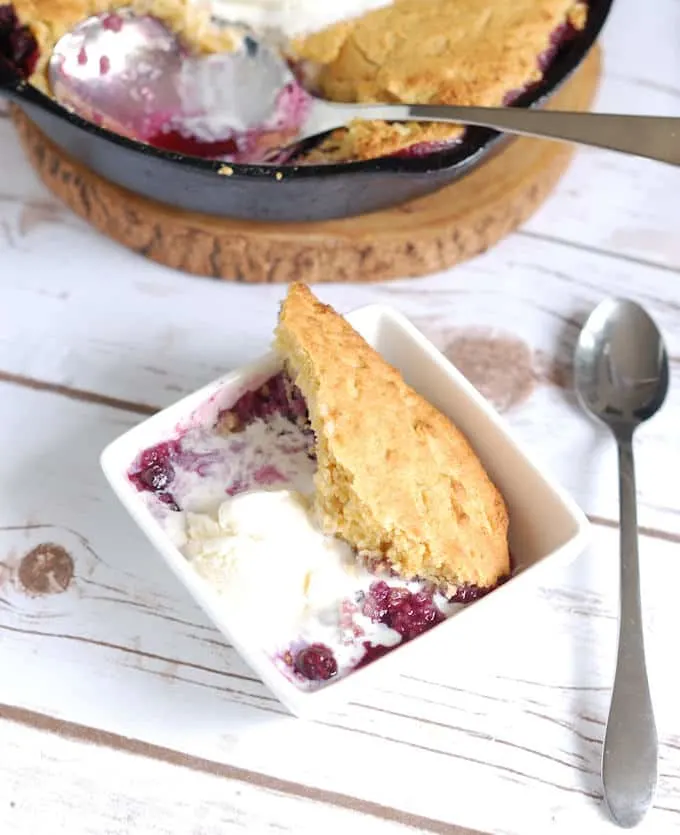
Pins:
<point x="370" y="140"/>
<point x="51" y="19"/>
<point x="430" y="52"/>
<point x="395" y="478"/>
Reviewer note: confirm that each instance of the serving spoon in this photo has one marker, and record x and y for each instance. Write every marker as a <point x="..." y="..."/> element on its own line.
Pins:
<point x="621" y="378"/>
<point x="124" y="75"/>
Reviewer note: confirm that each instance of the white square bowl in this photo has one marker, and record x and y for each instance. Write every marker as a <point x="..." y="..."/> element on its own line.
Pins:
<point x="546" y="526"/>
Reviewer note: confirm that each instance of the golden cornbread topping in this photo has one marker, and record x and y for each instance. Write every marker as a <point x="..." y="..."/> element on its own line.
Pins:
<point x="468" y="52"/>
<point x="395" y="478"/>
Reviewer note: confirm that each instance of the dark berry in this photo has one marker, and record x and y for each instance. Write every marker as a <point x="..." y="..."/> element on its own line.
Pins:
<point x="397" y="598"/>
<point x="407" y="613"/>
<point x="410" y="620"/>
<point x="157" y="476"/>
<point x="374" y="609"/>
<point x="17" y="43"/>
<point x="380" y="591"/>
<point x="155" y="472"/>
<point x="316" y="663"/>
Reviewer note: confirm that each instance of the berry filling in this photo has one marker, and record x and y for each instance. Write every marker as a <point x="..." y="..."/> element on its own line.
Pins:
<point x="18" y="45"/>
<point x="277" y="396"/>
<point x="408" y="613"/>
<point x="169" y="139"/>
<point x="155" y="468"/>
<point x="154" y="472"/>
<point x="316" y="662"/>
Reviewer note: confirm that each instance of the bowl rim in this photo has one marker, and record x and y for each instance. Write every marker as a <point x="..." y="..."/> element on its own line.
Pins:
<point x="115" y="461"/>
<point x="476" y="142"/>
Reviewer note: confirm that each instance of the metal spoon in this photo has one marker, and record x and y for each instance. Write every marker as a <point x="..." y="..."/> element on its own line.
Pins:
<point x="242" y="89"/>
<point x="130" y="73"/>
<point x="621" y="377"/>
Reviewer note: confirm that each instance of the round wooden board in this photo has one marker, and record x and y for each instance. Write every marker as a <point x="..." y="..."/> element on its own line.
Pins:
<point x="413" y="239"/>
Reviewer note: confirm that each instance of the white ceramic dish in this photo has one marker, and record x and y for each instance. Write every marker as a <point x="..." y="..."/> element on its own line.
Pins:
<point x="546" y="526"/>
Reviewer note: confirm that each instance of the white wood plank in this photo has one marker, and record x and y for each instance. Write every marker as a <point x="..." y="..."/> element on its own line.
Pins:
<point x="150" y="335"/>
<point x="641" y="48"/>
<point x="92" y="789"/>
<point x="610" y="201"/>
<point x="516" y="713"/>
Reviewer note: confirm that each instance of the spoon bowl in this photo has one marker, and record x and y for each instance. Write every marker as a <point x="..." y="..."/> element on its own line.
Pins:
<point x="621" y="378"/>
<point x="118" y="71"/>
<point x="131" y="74"/>
<point x="621" y="365"/>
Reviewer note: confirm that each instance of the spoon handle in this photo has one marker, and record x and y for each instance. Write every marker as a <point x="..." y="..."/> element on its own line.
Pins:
<point x="629" y="762"/>
<point x="653" y="137"/>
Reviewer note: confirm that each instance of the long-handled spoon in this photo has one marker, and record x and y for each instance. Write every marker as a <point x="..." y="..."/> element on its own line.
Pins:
<point x="104" y="69"/>
<point x="621" y="377"/>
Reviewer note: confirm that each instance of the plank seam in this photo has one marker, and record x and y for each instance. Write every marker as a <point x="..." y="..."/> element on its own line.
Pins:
<point x="85" y="396"/>
<point x="92" y="736"/>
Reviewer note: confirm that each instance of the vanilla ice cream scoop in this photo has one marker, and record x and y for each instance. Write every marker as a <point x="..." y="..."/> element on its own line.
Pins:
<point x="269" y="561"/>
<point x="292" y="17"/>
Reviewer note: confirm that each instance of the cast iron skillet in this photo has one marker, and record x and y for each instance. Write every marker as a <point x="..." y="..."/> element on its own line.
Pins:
<point x="305" y="192"/>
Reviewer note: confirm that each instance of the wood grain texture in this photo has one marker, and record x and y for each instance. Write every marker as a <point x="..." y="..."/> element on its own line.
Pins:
<point x="122" y="650"/>
<point x="126" y="711"/>
<point x="414" y="239"/>
<point x="154" y="795"/>
<point x="508" y="319"/>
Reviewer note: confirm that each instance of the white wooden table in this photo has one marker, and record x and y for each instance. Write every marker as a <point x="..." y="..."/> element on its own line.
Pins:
<point x="123" y="710"/>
